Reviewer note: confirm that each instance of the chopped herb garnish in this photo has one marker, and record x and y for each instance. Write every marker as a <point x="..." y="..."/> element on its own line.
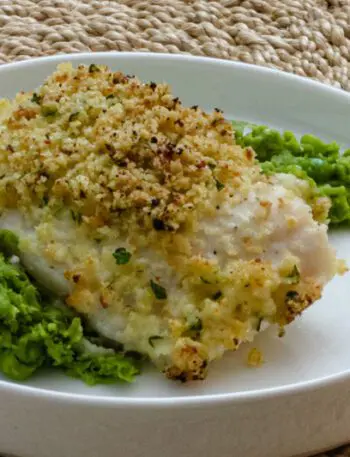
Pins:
<point x="73" y="117"/>
<point x="194" y="329"/>
<point x="93" y="68"/>
<point x="217" y="295"/>
<point x="151" y="339"/>
<point x="158" y="290"/>
<point x="122" y="256"/>
<point x="36" y="98"/>
<point x="197" y="326"/>
<point x="294" y="276"/>
<point x="48" y="110"/>
<point x="212" y="166"/>
<point x="205" y="281"/>
<point x="76" y="216"/>
<point x="219" y="185"/>
<point x="292" y="295"/>
<point x="45" y="200"/>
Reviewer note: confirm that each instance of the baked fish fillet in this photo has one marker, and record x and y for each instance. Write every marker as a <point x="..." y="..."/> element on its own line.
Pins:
<point x="145" y="217"/>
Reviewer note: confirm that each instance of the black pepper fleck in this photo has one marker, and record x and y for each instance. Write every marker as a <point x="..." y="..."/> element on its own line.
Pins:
<point x="76" y="277"/>
<point x="217" y="295"/>
<point x="158" y="224"/>
<point x="155" y="202"/>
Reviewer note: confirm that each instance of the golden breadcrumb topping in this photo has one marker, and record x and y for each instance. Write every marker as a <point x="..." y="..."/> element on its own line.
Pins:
<point x="116" y="150"/>
<point x="255" y="358"/>
<point x="165" y="233"/>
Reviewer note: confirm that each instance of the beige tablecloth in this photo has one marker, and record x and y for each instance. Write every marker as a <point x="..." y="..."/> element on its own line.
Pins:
<point x="306" y="37"/>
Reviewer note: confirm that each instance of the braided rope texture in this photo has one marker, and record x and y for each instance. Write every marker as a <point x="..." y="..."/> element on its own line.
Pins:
<point x="307" y="37"/>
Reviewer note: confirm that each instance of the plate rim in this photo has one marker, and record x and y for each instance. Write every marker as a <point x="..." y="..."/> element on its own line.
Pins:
<point x="206" y="400"/>
<point x="180" y="57"/>
<point x="254" y="395"/>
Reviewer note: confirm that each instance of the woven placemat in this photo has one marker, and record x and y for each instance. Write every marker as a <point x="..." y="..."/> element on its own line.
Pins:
<point x="307" y="37"/>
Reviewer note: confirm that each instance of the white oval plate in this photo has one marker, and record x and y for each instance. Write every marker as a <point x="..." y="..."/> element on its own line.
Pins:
<point x="294" y="403"/>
